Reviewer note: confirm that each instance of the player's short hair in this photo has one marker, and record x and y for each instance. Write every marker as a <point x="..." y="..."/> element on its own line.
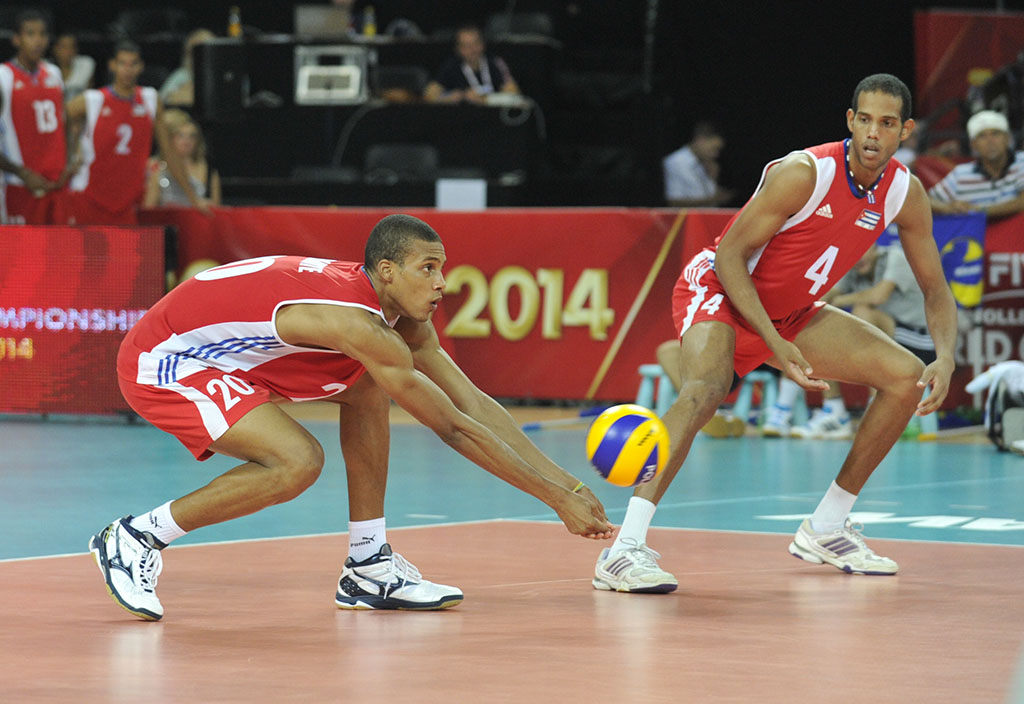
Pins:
<point x="888" y="84"/>
<point x="127" y="46"/>
<point x="30" y="15"/>
<point x="391" y="237"/>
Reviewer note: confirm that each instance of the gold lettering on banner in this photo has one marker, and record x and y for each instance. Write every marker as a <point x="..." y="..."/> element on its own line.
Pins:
<point x="12" y="348"/>
<point x="539" y="295"/>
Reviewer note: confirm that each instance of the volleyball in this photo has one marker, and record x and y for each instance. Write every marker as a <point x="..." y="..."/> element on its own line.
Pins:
<point x="627" y="445"/>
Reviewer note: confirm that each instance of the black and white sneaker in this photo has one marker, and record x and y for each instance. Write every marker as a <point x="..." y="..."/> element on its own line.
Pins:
<point x="389" y="581"/>
<point x="130" y="562"/>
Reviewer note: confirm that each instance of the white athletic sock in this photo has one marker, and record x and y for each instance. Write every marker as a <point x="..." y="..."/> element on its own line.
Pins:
<point x="365" y="538"/>
<point x="835" y="405"/>
<point x="833" y="510"/>
<point x="639" y="513"/>
<point x="160" y="523"/>
<point x="788" y="391"/>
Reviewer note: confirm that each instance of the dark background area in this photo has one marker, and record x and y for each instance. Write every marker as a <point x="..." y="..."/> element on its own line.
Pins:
<point x="775" y="77"/>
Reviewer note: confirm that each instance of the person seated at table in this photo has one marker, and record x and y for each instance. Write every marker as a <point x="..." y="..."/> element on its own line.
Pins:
<point x="471" y="74"/>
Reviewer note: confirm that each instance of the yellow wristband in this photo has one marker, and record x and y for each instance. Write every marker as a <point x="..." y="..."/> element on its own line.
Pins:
<point x="579" y="486"/>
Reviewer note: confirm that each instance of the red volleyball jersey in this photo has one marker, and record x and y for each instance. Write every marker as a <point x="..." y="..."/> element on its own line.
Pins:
<point x="223" y="319"/>
<point x="32" y="119"/>
<point x="825" y="238"/>
<point x="116" y="142"/>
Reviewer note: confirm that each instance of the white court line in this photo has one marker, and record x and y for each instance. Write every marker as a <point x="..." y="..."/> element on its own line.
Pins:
<point x="541" y="519"/>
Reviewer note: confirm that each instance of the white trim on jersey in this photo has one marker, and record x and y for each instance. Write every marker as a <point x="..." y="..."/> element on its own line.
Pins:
<point x="694" y="272"/>
<point x="8" y="137"/>
<point x="209" y="412"/>
<point x="225" y="346"/>
<point x="328" y="302"/>
<point x="228" y="346"/>
<point x="824" y="173"/>
<point x="149" y="99"/>
<point x="896" y="195"/>
<point x="87" y="145"/>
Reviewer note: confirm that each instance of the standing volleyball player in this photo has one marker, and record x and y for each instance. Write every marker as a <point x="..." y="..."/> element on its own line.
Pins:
<point x="32" y="129"/>
<point x="208" y="362"/>
<point x="117" y="125"/>
<point x="753" y="298"/>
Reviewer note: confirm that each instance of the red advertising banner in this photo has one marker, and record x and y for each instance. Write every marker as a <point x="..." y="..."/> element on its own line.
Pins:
<point x="949" y="45"/>
<point x="997" y="334"/>
<point x="565" y="304"/>
<point x="67" y="297"/>
<point x="559" y="304"/>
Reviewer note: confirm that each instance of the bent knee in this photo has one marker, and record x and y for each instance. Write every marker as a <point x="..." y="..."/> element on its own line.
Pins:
<point x="298" y="469"/>
<point x="903" y="377"/>
<point x="704" y="393"/>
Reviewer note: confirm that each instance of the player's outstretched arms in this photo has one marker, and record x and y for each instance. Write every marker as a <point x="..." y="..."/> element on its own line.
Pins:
<point x="431" y="359"/>
<point x="366" y="338"/>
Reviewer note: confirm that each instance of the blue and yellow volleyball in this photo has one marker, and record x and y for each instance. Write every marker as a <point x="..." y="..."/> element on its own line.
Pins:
<point x="627" y="445"/>
<point x="963" y="260"/>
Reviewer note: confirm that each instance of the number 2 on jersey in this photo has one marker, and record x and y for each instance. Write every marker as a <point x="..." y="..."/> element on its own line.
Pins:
<point x="819" y="270"/>
<point x="124" y="137"/>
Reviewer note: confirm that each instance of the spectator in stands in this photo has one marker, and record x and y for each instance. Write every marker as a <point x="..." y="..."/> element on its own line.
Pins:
<point x="471" y="75"/>
<point x="117" y="125"/>
<point x="994" y="182"/>
<point x="76" y="69"/>
<point x="691" y="172"/>
<point x="179" y="88"/>
<point x="188" y="144"/>
<point x="33" y="143"/>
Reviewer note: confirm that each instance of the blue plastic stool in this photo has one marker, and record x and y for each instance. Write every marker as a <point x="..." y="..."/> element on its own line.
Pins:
<point x="656" y="391"/>
<point x="929" y="423"/>
<point x="769" y="393"/>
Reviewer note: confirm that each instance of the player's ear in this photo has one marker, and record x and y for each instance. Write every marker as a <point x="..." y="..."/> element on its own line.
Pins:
<point x="849" y="118"/>
<point x="908" y="129"/>
<point x="386" y="270"/>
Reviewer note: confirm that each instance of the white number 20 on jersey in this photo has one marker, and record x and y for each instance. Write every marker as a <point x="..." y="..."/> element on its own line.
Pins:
<point x="819" y="270"/>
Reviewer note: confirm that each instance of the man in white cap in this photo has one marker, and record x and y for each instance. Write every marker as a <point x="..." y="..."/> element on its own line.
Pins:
<point x="994" y="182"/>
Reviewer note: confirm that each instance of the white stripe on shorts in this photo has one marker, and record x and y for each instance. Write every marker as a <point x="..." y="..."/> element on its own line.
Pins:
<point x="693" y="273"/>
<point x="213" y="420"/>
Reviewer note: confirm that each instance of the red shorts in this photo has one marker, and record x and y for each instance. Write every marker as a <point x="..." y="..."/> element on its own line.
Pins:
<point x="198" y="409"/>
<point x="24" y="208"/>
<point x="698" y="296"/>
<point x="85" y="211"/>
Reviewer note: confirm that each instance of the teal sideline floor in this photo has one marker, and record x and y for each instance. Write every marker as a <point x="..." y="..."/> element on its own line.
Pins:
<point x="62" y="480"/>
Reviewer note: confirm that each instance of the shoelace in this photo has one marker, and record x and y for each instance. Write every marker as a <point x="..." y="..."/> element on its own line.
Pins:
<point x="402" y="571"/>
<point x="853" y="531"/>
<point x="643" y="555"/>
<point x="150" y="566"/>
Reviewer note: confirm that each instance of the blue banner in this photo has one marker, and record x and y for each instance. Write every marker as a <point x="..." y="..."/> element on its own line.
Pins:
<point x="961" y="243"/>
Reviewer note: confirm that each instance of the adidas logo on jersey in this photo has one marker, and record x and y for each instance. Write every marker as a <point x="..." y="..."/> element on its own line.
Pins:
<point x="824" y="211"/>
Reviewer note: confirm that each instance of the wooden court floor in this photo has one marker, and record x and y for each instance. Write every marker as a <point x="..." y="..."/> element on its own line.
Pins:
<point x="255" y="621"/>
<point x="252" y="618"/>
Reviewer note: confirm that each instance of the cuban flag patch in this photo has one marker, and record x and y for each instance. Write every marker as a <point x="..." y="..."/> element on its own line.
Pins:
<point x="868" y="219"/>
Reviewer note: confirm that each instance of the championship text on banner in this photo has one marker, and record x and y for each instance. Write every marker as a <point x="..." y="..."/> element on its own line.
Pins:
<point x="68" y="295"/>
